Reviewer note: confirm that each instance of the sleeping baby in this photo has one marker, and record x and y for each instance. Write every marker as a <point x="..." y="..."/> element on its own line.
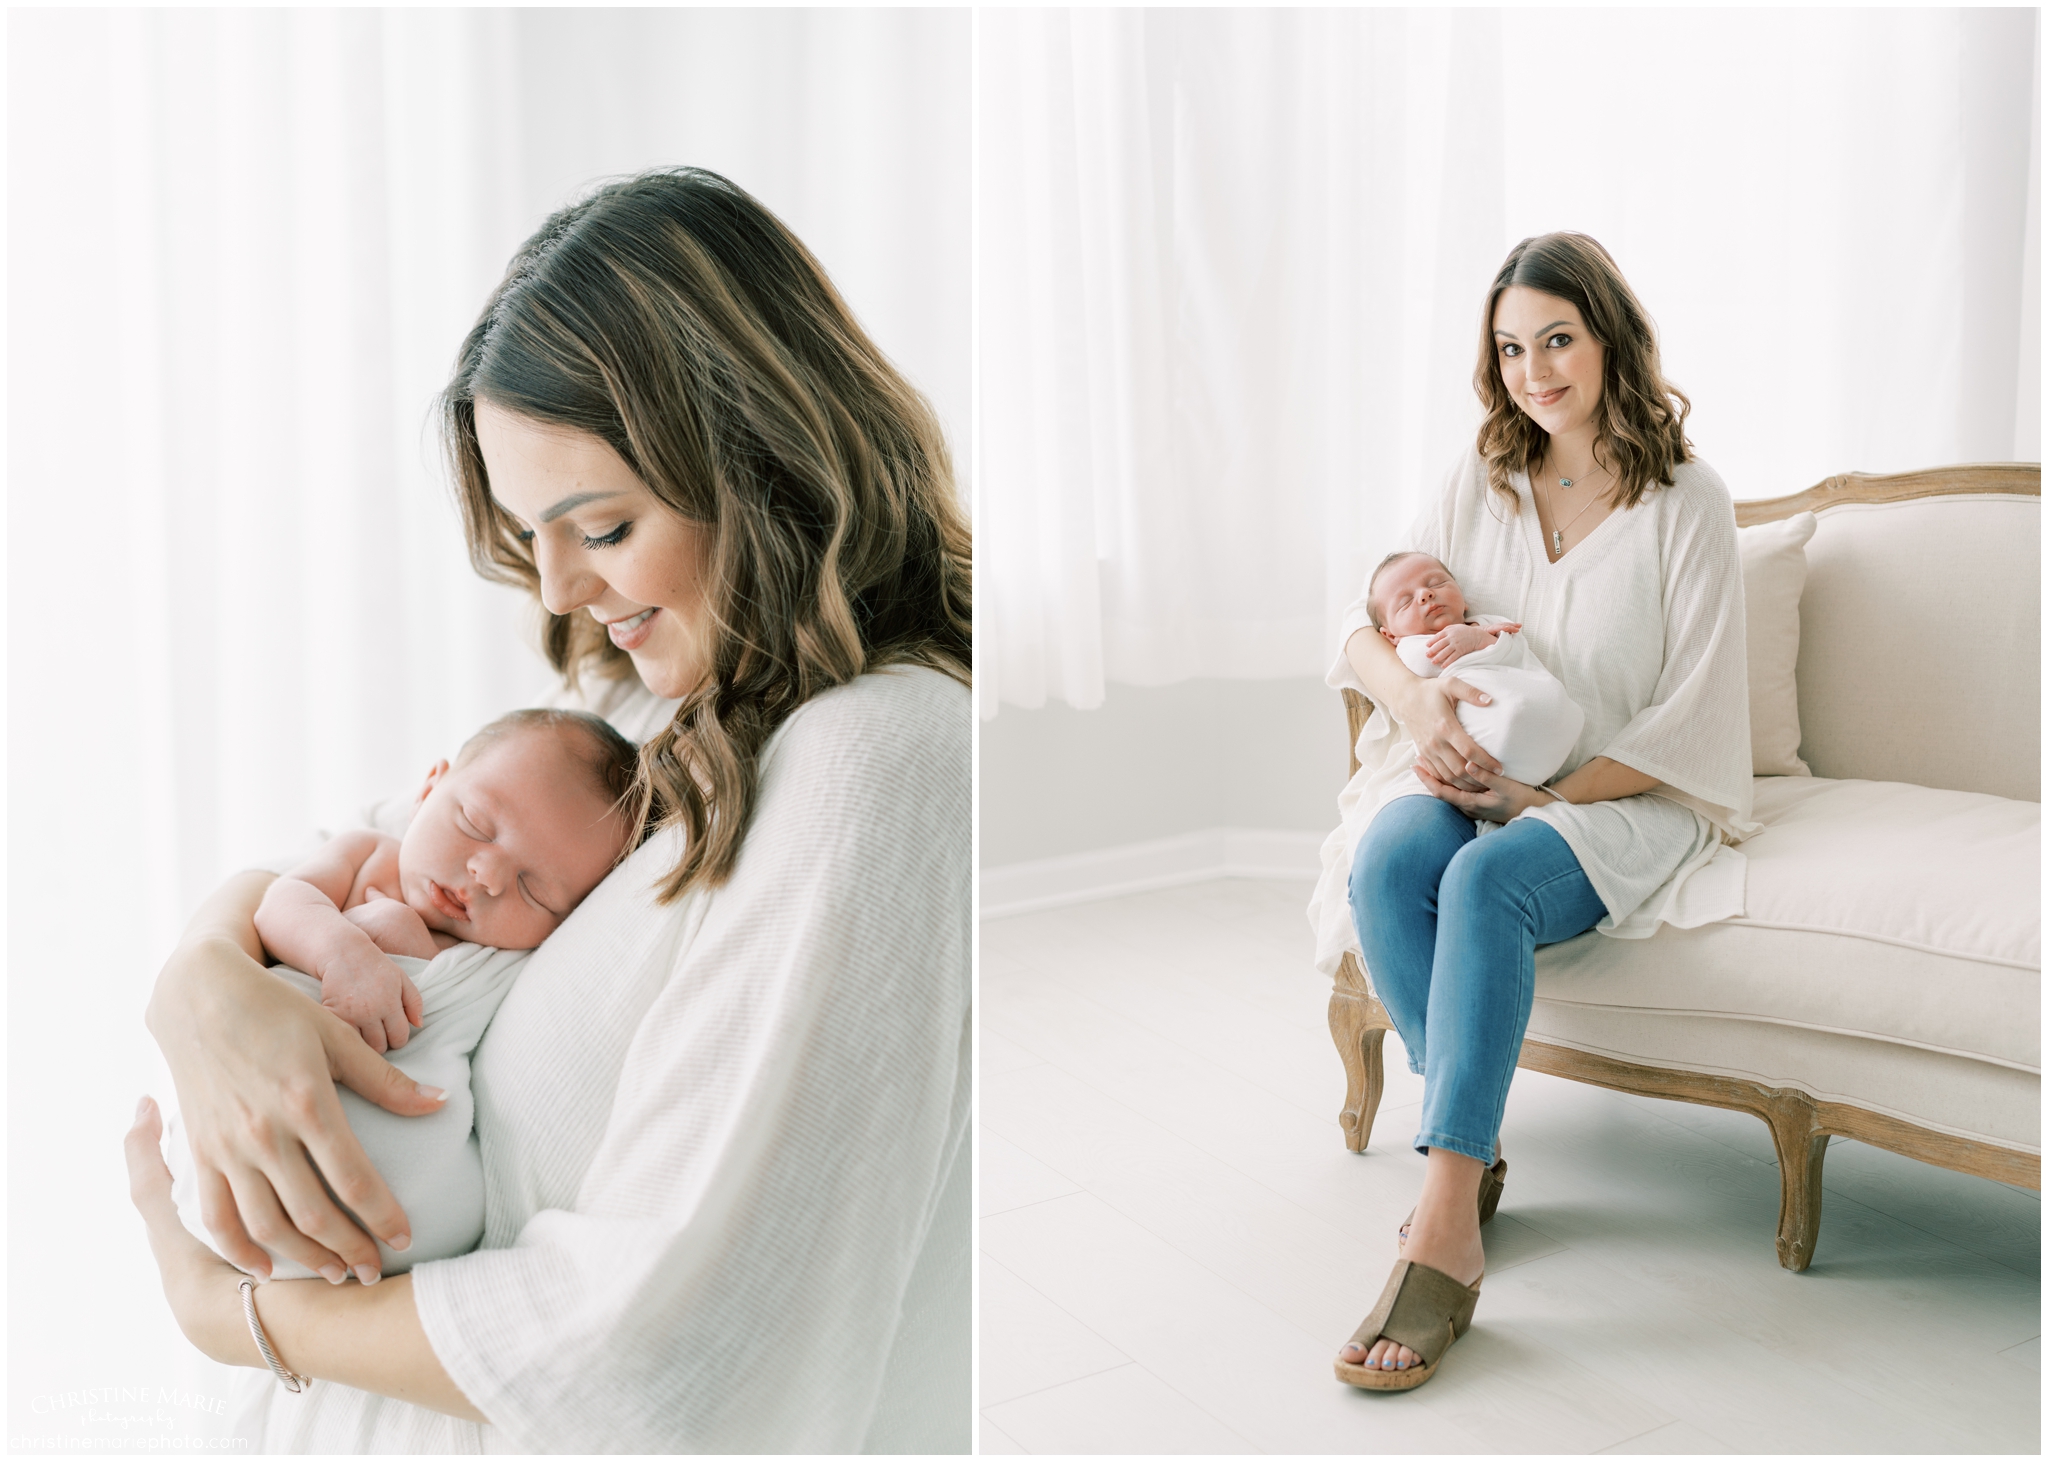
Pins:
<point x="429" y="931"/>
<point x="1532" y="724"/>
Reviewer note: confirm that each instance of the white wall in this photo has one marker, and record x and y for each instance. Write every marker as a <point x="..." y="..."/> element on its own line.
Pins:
<point x="1153" y="763"/>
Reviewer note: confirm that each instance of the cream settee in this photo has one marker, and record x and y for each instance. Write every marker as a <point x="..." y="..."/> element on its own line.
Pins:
<point x="1884" y="982"/>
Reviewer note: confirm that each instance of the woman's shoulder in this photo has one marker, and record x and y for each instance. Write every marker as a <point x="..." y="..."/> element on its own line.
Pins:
<point x="895" y="722"/>
<point x="1464" y="504"/>
<point x="866" y="777"/>
<point x="1697" y="485"/>
<point x="904" y="701"/>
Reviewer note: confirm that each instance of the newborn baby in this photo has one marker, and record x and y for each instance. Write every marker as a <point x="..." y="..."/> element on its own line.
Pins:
<point x="1532" y="724"/>
<point x="429" y="931"/>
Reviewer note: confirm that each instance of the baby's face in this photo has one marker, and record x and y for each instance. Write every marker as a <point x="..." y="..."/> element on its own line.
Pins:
<point x="501" y="848"/>
<point x="1418" y="596"/>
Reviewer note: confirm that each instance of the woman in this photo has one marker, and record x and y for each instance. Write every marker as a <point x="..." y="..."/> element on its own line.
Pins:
<point x="722" y="1111"/>
<point x="1582" y="513"/>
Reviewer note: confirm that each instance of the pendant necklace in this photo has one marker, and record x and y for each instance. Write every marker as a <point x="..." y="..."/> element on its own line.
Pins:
<point x="1557" y="533"/>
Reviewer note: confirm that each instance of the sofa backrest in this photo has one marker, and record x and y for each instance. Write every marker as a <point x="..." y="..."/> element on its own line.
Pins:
<point x="1920" y="642"/>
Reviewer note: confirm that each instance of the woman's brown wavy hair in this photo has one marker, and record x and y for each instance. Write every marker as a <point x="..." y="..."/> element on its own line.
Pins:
<point x="676" y="319"/>
<point x="1642" y="415"/>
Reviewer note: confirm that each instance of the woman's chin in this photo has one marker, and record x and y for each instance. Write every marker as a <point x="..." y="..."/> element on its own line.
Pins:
<point x="663" y="677"/>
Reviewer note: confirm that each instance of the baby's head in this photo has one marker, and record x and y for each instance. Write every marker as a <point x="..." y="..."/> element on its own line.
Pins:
<point x="1412" y="594"/>
<point x="528" y="820"/>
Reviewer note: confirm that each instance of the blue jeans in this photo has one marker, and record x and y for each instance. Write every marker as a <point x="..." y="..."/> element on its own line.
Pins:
<point x="1449" y="923"/>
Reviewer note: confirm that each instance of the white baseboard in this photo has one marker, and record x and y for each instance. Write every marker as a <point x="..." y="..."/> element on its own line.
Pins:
<point x="1107" y="873"/>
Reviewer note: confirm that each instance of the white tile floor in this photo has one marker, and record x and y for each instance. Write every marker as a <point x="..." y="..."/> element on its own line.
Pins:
<point x="1174" y="1240"/>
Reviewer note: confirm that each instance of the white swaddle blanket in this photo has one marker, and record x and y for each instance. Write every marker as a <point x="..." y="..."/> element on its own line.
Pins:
<point x="431" y="1163"/>
<point x="1532" y="725"/>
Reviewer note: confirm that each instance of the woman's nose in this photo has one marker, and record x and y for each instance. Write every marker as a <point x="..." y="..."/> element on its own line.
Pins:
<point x="566" y="583"/>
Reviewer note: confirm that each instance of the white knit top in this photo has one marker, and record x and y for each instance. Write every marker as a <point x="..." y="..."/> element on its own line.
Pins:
<point x="1643" y="622"/>
<point x="724" y="1140"/>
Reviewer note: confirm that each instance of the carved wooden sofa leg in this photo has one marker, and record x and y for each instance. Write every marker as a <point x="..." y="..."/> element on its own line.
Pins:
<point x="1802" y="1148"/>
<point x="1359" y="1026"/>
<point x="1799" y="1127"/>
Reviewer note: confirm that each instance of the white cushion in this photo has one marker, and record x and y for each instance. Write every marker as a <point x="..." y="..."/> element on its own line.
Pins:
<point x="1773" y="576"/>
<point x="1920" y="644"/>
<point x="1877" y="912"/>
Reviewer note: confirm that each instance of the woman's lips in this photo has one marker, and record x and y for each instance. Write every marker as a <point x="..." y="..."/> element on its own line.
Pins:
<point x="446" y="902"/>
<point x="1546" y="398"/>
<point x="631" y="633"/>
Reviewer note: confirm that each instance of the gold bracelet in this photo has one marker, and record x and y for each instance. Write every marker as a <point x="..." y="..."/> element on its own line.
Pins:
<point x="292" y="1383"/>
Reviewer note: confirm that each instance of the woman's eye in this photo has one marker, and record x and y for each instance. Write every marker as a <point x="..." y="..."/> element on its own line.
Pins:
<point x="1559" y="341"/>
<point x="611" y="539"/>
<point x="1511" y="350"/>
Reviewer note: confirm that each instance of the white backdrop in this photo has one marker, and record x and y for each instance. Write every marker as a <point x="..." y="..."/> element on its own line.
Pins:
<point x="1232" y="263"/>
<point x="243" y="248"/>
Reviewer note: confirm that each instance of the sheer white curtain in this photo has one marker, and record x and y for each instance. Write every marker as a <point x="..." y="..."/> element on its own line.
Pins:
<point x="244" y="246"/>
<point x="1231" y="265"/>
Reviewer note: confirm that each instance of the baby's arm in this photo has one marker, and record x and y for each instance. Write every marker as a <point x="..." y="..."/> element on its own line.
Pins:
<point x="301" y="923"/>
<point x="1454" y="642"/>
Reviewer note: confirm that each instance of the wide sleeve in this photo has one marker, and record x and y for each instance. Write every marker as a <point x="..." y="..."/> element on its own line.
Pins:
<point x="1429" y="533"/>
<point x="1694" y="734"/>
<point x="733" y="1275"/>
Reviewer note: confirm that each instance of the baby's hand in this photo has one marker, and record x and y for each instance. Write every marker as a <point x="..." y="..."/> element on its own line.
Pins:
<point x="1454" y="642"/>
<point x="1495" y="631"/>
<point x="375" y="996"/>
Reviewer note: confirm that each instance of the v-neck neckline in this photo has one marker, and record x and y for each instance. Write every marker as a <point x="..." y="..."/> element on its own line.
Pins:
<point x="1535" y="528"/>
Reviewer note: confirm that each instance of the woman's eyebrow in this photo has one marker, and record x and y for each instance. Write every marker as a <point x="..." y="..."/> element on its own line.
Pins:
<point x="574" y="500"/>
<point x="1510" y="335"/>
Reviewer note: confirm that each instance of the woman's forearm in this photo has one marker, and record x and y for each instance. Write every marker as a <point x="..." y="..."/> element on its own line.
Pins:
<point x="226" y="922"/>
<point x="1603" y="780"/>
<point x="1379" y="669"/>
<point x="368" y="1337"/>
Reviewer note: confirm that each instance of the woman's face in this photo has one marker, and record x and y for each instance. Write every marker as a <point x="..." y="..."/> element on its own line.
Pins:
<point x="1549" y="361"/>
<point x="604" y="544"/>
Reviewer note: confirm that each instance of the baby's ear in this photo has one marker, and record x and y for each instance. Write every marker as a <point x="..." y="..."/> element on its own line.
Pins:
<point x="434" y="774"/>
<point x="1389" y="636"/>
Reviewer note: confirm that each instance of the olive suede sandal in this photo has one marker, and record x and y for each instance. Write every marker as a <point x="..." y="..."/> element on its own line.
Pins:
<point x="1490" y="1183"/>
<point x="1422" y="1308"/>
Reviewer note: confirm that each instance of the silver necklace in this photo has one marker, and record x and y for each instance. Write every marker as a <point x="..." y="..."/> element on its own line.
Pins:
<point x="1557" y="533"/>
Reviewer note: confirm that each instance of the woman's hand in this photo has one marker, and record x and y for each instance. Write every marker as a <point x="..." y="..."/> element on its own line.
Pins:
<point x="1442" y="744"/>
<point x="1501" y="799"/>
<point x="367" y="1338"/>
<point x="203" y="1288"/>
<point x="255" y="1064"/>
